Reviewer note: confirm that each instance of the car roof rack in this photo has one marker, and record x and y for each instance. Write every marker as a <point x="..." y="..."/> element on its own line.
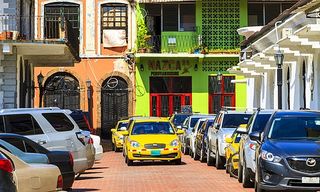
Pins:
<point x="28" y="109"/>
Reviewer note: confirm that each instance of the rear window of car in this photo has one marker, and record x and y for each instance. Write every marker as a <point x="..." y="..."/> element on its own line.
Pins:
<point x="234" y="120"/>
<point x="260" y="122"/>
<point x="178" y="119"/>
<point x="59" y="121"/>
<point x="23" y="124"/>
<point x="81" y="121"/>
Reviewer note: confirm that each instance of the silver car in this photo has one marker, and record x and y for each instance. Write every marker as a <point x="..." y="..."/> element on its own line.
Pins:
<point x="224" y="125"/>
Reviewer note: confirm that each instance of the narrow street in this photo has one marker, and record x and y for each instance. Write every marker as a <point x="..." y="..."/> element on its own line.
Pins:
<point x="112" y="174"/>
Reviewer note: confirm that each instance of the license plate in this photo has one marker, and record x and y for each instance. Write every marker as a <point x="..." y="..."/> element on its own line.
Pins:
<point x="310" y="180"/>
<point x="155" y="153"/>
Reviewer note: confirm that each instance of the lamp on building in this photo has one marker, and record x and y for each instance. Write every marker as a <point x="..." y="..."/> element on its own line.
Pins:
<point x="196" y="67"/>
<point x="141" y="67"/>
<point x="40" y="79"/>
<point x="89" y="95"/>
<point x="278" y="56"/>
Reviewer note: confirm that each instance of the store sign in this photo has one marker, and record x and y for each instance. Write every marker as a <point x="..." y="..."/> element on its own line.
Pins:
<point x="170" y="65"/>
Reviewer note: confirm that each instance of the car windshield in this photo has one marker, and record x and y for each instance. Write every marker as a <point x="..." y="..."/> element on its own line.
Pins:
<point x="295" y="128"/>
<point x="179" y="118"/>
<point x="122" y="124"/>
<point x="194" y="120"/>
<point x="234" y="120"/>
<point x="260" y="122"/>
<point x="152" y="128"/>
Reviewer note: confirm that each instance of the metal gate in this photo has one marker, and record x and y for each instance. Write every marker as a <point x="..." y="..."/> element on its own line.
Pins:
<point x="114" y="103"/>
<point x="62" y="90"/>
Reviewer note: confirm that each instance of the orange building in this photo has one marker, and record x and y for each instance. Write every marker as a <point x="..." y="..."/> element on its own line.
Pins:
<point x="102" y="83"/>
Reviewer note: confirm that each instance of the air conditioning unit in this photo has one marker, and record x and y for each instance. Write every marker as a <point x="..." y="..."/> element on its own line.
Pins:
<point x="286" y="32"/>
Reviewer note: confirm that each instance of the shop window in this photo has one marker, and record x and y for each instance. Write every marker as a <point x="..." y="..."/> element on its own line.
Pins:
<point x="187" y="17"/>
<point x="221" y="93"/>
<point x="173" y="21"/>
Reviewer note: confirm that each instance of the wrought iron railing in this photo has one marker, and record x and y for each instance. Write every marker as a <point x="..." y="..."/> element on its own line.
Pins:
<point x="31" y="28"/>
<point x="174" y="42"/>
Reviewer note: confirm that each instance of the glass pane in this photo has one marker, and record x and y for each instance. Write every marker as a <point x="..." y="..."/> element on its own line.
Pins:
<point x="187" y="100"/>
<point x="272" y="11"/>
<point x="164" y="106"/>
<point x="59" y="121"/>
<point x="19" y="124"/>
<point x="177" y="104"/>
<point x="187" y="17"/>
<point x="216" y="104"/>
<point x="154" y="106"/>
<point x="170" y="85"/>
<point x="1" y="125"/>
<point x="228" y="86"/>
<point x="214" y="85"/>
<point x="170" y="17"/>
<point x="255" y="14"/>
<point x="227" y="101"/>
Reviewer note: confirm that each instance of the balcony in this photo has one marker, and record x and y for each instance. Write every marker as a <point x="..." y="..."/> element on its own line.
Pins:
<point x="43" y="40"/>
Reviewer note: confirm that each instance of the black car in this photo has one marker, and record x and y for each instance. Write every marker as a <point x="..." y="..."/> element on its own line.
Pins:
<point x="288" y="152"/>
<point x="6" y="174"/>
<point x="62" y="159"/>
<point x="201" y="140"/>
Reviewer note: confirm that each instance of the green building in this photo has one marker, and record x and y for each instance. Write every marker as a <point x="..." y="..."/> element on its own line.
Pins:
<point x="183" y="57"/>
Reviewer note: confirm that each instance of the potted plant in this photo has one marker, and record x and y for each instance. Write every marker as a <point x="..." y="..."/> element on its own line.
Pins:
<point x="142" y="32"/>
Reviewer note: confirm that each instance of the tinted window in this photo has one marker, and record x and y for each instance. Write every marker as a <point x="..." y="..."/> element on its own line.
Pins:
<point x="1" y="125"/>
<point x="200" y="125"/>
<point x="194" y="121"/>
<point x="295" y="128"/>
<point x="260" y="122"/>
<point x="23" y="124"/>
<point x="122" y="124"/>
<point x="30" y="149"/>
<point x="15" y="142"/>
<point x="152" y="128"/>
<point x="178" y="119"/>
<point x="59" y="121"/>
<point x="80" y="120"/>
<point x="234" y="120"/>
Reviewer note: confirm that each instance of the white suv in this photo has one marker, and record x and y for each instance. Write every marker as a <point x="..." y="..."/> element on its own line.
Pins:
<point x="52" y="128"/>
<point x="224" y="125"/>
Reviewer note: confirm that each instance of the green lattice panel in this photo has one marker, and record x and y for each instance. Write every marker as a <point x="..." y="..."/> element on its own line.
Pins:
<point x="220" y="20"/>
<point x="218" y="65"/>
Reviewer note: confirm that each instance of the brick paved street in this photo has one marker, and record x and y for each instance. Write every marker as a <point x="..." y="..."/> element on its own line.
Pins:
<point x="112" y="174"/>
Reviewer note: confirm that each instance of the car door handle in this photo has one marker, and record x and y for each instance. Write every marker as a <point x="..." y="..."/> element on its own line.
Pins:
<point x="42" y="142"/>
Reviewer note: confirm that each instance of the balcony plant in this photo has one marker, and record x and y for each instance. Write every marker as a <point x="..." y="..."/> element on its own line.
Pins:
<point x="142" y="32"/>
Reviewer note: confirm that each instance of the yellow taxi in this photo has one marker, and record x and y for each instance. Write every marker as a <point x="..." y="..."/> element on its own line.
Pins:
<point x="117" y="134"/>
<point x="232" y="150"/>
<point x="152" y="139"/>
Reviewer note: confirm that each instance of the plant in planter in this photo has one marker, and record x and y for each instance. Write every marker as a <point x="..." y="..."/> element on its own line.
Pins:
<point x="142" y="32"/>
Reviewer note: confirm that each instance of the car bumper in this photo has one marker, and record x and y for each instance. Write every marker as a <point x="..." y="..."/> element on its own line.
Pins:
<point x="99" y="152"/>
<point x="119" y="144"/>
<point x="277" y="176"/>
<point x="68" y="179"/>
<point x="169" y="155"/>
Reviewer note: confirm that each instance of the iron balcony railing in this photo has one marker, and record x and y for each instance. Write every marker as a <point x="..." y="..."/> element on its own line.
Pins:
<point x="174" y="42"/>
<point x="31" y="28"/>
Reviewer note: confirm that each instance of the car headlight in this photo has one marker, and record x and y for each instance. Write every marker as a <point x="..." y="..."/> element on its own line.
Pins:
<point x="226" y="136"/>
<point x="265" y="155"/>
<point x="174" y="143"/>
<point x="120" y="137"/>
<point x="134" y="144"/>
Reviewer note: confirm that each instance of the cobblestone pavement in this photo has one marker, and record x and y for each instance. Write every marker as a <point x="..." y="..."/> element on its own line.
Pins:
<point x="112" y="174"/>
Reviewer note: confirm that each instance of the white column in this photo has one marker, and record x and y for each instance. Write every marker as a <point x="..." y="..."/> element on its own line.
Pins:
<point x="90" y="27"/>
<point x="295" y="86"/>
<point x="308" y="82"/>
<point x="257" y="91"/>
<point x="250" y="92"/>
<point x="263" y="95"/>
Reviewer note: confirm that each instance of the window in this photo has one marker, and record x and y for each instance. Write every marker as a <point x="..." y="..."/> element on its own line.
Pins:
<point x="152" y="128"/>
<point x="1" y="125"/>
<point x="221" y="93"/>
<point x="59" y="121"/>
<point x="114" y="16"/>
<point x="23" y="124"/>
<point x="234" y="120"/>
<point x="15" y="142"/>
<point x="171" y="17"/>
<point x="170" y="85"/>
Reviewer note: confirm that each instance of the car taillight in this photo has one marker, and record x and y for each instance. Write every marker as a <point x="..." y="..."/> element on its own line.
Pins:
<point x="252" y="146"/>
<point x="81" y="137"/>
<point x="6" y="165"/>
<point x="71" y="159"/>
<point x="60" y="182"/>
<point x="88" y="124"/>
<point x="90" y="141"/>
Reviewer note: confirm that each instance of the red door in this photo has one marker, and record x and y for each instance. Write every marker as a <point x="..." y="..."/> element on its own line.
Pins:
<point x="164" y="105"/>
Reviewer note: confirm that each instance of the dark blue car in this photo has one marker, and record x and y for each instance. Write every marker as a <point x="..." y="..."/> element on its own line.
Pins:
<point x="288" y="152"/>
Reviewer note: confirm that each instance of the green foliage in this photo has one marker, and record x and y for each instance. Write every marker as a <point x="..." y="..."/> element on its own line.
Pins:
<point x="142" y="31"/>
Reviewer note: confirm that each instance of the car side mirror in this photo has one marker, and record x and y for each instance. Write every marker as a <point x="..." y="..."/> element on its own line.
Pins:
<point x="125" y="133"/>
<point x="122" y="128"/>
<point x="229" y="140"/>
<point x="113" y="130"/>
<point x="241" y="130"/>
<point x="255" y="136"/>
<point x="178" y="127"/>
<point x="180" y="132"/>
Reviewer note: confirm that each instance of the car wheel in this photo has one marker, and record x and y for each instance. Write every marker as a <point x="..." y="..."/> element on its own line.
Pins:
<point x="195" y="155"/>
<point x="116" y="149"/>
<point x="209" y="158"/>
<point x="246" y="181"/>
<point x="228" y="165"/>
<point x="240" y="168"/>
<point x="177" y="161"/>
<point x="113" y="145"/>
<point x="219" y="161"/>
<point x="129" y="162"/>
<point x="257" y="188"/>
<point x="185" y="150"/>
<point x="202" y="157"/>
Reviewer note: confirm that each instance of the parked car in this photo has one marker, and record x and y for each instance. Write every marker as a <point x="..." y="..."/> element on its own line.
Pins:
<point x="7" y="183"/>
<point x="62" y="159"/>
<point x="193" y="135"/>
<point x="287" y="154"/>
<point x="117" y="137"/>
<point x="201" y="139"/>
<point x="26" y="157"/>
<point x="82" y="121"/>
<point x="224" y="125"/>
<point x="152" y="139"/>
<point x="177" y="119"/>
<point x="246" y="171"/>
<point x="188" y="126"/>
<point x="34" y="177"/>
<point x="232" y="150"/>
<point x="52" y="128"/>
